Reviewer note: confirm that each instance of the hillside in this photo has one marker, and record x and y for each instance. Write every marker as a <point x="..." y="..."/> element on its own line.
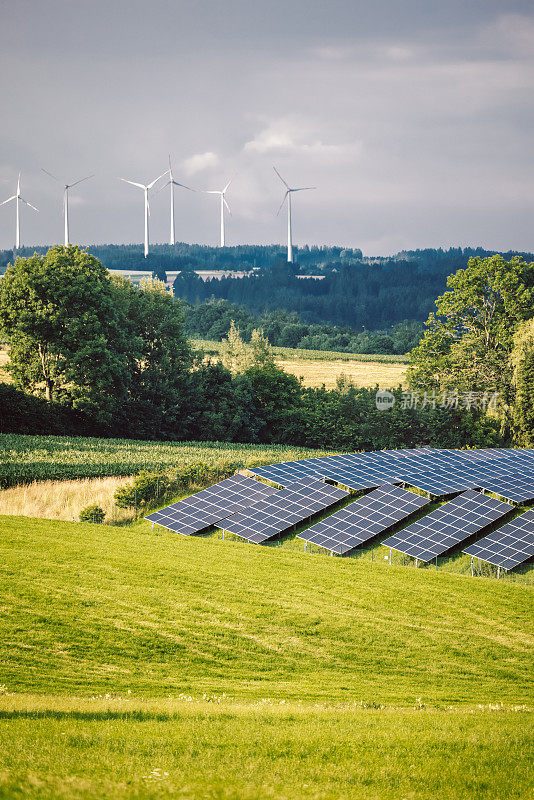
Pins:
<point x="92" y="609"/>
<point x="137" y="663"/>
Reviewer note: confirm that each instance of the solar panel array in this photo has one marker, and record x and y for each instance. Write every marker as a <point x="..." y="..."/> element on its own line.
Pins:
<point x="509" y="473"/>
<point x="258" y="512"/>
<point x="206" y="508"/>
<point x="363" y="519"/>
<point x="508" y="546"/>
<point x="285" y="508"/>
<point x="448" y="525"/>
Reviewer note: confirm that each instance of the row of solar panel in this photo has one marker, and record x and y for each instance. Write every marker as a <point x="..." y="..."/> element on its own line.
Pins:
<point x="507" y="473"/>
<point x="257" y="513"/>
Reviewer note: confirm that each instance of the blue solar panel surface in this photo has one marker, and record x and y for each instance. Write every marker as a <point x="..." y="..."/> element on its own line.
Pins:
<point x="448" y="525"/>
<point x="509" y="473"/>
<point x="287" y="507"/>
<point x="508" y="546"/>
<point x="363" y="519"/>
<point x="205" y="508"/>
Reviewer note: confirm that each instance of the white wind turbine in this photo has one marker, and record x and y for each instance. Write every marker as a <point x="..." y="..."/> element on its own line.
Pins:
<point x="172" y="183"/>
<point x="287" y="196"/>
<point x="145" y="188"/>
<point x="223" y="204"/>
<point x="17" y="197"/>
<point x="66" y="187"/>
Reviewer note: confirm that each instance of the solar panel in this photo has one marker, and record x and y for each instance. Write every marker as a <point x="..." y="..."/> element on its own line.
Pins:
<point x="205" y="508"/>
<point x="363" y="519"/>
<point x="287" y="507"/>
<point x="453" y="522"/>
<point x="507" y="546"/>
<point x="518" y="486"/>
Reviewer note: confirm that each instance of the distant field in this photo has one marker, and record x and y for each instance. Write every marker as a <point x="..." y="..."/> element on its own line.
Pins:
<point x="361" y="374"/>
<point x="321" y="367"/>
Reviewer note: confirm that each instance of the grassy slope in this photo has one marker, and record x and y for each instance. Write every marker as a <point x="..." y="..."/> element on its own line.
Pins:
<point x="307" y="648"/>
<point x="96" y="609"/>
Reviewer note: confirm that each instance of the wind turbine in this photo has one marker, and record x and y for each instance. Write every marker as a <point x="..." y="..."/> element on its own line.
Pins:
<point x="147" y="204"/>
<point x="66" y="188"/>
<point x="19" y="199"/>
<point x="223" y="204"/>
<point x="172" y="183"/>
<point x="287" y="196"/>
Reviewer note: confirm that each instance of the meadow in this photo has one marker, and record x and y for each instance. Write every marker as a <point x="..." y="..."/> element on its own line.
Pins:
<point x="137" y="663"/>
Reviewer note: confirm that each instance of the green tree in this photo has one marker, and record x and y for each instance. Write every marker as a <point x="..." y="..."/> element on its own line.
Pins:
<point x="59" y="314"/>
<point x="159" y="359"/>
<point x="522" y="362"/>
<point x="468" y="342"/>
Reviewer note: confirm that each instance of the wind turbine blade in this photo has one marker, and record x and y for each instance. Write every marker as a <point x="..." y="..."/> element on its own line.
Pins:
<point x="18" y="184"/>
<point x="226" y="204"/>
<point x="150" y="185"/>
<point x="283" y="201"/>
<point x="49" y="173"/>
<point x="304" y="188"/>
<point x="139" y="185"/>
<point x="161" y="188"/>
<point x="80" y="181"/>
<point x="182" y="185"/>
<point x="28" y="204"/>
<point x="9" y="199"/>
<point x="211" y="191"/>
<point x="227" y="185"/>
<point x="283" y="181"/>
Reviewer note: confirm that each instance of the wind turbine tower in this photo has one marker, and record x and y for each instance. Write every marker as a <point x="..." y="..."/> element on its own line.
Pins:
<point x="66" y="188"/>
<point x="223" y="205"/>
<point x="172" y="183"/>
<point x="145" y="188"/>
<point x="287" y="196"/>
<point x="18" y="199"/>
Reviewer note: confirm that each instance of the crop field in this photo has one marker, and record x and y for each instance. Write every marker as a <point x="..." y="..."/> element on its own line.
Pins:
<point x="317" y="367"/>
<point x="25" y="459"/>
<point x="137" y="663"/>
<point x="363" y="374"/>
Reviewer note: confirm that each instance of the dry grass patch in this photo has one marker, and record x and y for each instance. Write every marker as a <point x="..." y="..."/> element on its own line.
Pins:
<point x="5" y="377"/>
<point x="63" y="499"/>
<point x="361" y="374"/>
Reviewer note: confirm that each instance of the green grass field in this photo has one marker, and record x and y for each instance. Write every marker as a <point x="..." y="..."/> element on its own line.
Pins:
<point x="138" y="663"/>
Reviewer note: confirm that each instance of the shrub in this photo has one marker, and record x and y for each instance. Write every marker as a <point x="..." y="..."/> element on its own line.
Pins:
<point x="92" y="513"/>
<point x="144" y="489"/>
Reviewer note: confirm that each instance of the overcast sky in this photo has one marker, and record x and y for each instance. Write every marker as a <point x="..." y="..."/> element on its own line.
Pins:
<point x="413" y="118"/>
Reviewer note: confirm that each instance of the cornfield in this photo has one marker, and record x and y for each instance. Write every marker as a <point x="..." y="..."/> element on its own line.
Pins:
<point x="25" y="459"/>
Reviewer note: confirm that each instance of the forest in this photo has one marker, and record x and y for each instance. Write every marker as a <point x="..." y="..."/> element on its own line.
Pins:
<point x="365" y="294"/>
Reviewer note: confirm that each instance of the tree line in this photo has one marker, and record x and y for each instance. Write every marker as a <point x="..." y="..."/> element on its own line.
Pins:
<point x="213" y="319"/>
